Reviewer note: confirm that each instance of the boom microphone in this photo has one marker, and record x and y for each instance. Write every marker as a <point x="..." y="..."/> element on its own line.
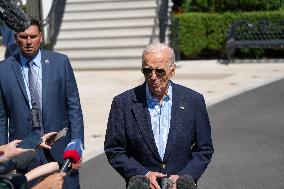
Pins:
<point x="138" y="182"/>
<point x="186" y="182"/>
<point x="72" y="153"/>
<point x="42" y="170"/>
<point x="13" y="16"/>
<point x="17" y="162"/>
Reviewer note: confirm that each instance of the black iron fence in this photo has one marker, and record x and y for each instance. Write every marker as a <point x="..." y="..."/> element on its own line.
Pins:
<point x="53" y="22"/>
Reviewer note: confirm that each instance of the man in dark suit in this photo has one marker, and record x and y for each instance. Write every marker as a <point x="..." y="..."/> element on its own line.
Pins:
<point x="159" y="128"/>
<point x="52" y="91"/>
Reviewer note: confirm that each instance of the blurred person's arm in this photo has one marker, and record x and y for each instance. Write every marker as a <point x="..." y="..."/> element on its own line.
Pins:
<point x="54" y="181"/>
<point x="9" y="150"/>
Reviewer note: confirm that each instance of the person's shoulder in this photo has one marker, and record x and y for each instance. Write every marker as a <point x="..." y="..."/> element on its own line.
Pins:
<point x="126" y="93"/>
<point x="53" y="53"/>
<point x="7" y="61"/>
<point x="185" y="90"/>
<point x="130" y="93"/>
<point x="189" y="94"/>
<point x="55" y="58"/>
<point x="6" y="66"/>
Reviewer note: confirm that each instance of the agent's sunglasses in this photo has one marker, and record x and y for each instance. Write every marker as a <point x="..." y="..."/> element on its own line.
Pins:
<point x="159" y="71"/>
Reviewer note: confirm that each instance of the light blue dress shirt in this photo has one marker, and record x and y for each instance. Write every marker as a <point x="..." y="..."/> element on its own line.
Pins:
<point x="37" y="69"/>
<point x="160" y="112"/>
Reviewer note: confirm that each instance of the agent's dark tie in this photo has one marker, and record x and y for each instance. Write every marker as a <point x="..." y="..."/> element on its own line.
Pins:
<point x="35" y="99"/>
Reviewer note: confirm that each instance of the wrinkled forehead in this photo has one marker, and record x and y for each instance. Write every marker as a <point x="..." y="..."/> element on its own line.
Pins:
<point x="156" y="59"/>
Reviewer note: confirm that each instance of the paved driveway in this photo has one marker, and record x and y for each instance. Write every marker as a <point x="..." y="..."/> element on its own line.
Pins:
<point x="248" y="135"/>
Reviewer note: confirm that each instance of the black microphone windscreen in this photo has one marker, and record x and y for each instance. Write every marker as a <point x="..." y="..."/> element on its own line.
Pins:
<point x="138" y="182"/>
<point x="185" y="182"/>
<point x="13" y="16"/>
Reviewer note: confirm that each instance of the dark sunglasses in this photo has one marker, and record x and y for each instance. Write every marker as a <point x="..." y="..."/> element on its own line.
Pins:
<point x="159" y="71"/>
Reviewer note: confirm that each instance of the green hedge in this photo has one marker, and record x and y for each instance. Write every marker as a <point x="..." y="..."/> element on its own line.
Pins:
<point x="204" y="35"/>
<point x="230" y="5"/>
<point x="249" y="5"/>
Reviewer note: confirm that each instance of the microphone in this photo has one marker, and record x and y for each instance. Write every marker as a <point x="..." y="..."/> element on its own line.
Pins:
<point x="139" y="182"/>
<point x="13" y="16"/>
<point x="17" y="162"/>
<point x="42" y="170"/>
<point x="72" y="153"/>
<point x="165" y="183"/>
<point x="185" y="182"/>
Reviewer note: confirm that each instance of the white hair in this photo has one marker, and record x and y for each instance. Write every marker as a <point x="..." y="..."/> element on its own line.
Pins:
<point x="157" y="48"/>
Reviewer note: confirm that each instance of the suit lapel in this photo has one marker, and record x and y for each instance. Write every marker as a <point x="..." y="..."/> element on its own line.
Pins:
<point x="142" y="116"/>
<point x="18" y="73"/>
<point x="178" y="106"/>
<point x="45" y="78"/>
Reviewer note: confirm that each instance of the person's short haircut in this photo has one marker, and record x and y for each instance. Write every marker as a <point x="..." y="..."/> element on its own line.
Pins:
<point x="159" y="47"/>
<point x="35" y="22"/>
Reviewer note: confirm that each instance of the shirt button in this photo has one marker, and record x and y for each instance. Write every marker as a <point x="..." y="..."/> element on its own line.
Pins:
<point x="163" y="165"/>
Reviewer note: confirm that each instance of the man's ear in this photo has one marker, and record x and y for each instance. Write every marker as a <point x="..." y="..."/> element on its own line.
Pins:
<point x="173" y="69"/>
<point x="41" y="38"/>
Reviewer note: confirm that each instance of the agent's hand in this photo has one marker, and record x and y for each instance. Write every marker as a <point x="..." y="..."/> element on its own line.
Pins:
<point x="9" y="150"/>
<point x="152" y="176"/>
<point x="54" y="181"/>
<point x="45" y="140"/>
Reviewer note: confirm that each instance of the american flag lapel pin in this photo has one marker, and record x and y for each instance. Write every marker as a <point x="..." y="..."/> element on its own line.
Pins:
<point x="181" y="107"/>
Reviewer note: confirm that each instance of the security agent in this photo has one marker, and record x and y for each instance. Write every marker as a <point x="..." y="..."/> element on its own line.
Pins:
<point x="36" y="78"/>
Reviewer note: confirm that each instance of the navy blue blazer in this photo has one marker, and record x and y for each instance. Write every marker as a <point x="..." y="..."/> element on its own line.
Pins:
<point x="60" y="101"/>
<point x="129" y="142"/>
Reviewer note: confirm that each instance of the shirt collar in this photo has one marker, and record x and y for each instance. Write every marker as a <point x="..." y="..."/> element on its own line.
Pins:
<point x="36" y="59"/>
<point x="168" y="96"/>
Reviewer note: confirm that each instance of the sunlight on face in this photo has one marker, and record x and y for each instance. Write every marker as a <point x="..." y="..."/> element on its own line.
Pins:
<point x="158" y="83"/>
<point x="29" y="41"/>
